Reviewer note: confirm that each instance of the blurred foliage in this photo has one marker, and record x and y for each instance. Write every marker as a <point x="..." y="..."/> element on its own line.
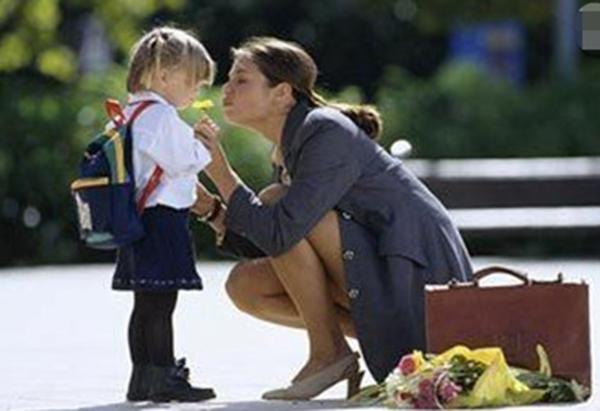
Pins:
<point x="387" y="52"/>
<point x="43" y="35"/>
<point x="37" y="157"/>
<point x="460" y="112"/>
<point x="439" y="15"/>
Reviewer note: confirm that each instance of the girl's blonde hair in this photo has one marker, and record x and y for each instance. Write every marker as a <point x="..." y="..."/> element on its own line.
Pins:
<point x="168" y="48"/>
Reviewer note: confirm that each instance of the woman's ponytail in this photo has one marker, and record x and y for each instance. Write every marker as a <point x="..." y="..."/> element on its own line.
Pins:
<point x="364" y="116"/>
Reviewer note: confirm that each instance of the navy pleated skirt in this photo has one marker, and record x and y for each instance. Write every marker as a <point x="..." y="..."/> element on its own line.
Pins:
<point x="164" y="259"/>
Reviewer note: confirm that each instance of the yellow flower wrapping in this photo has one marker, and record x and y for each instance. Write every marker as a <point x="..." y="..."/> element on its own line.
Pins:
<point x="497" y="385"/>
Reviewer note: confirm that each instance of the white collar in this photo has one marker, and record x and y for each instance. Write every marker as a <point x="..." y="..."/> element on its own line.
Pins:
<point x="147" y="95"/>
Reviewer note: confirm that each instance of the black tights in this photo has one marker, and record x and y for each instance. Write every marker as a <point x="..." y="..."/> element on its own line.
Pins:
<point x="151" y="328"/>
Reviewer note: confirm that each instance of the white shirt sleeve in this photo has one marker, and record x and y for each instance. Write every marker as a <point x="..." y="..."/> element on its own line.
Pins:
<point x="169" y="141"/>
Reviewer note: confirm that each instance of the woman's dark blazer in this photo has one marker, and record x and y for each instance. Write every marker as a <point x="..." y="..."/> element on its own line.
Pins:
<point x="396" y="236"/>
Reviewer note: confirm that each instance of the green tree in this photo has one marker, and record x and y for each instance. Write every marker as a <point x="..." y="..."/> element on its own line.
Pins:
<point x="40" y="35"/>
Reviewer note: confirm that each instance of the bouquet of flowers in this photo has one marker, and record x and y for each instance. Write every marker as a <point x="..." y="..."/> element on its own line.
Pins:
<point x="464" y="378"/>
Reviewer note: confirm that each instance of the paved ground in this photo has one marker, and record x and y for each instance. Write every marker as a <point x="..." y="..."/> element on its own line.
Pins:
<point x="63" y="341"/>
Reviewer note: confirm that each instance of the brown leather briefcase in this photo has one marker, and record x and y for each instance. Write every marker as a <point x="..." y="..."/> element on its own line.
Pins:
<point x="516" y="318"/>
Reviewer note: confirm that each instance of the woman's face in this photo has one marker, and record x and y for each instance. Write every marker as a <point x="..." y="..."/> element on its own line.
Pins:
<point x="247" y="98"/>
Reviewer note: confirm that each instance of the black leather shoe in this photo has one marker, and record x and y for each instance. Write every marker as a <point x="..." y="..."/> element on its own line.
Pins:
<point x="172" y="384"/>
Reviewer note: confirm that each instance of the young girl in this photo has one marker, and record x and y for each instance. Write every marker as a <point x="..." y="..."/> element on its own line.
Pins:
<point x="168" y="67"/>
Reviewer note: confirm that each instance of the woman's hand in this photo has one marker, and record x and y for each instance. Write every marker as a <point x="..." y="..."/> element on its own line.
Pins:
<point x="204" y="200"/>
<point x="219" y="170"/>
<point x="205" y="207"/>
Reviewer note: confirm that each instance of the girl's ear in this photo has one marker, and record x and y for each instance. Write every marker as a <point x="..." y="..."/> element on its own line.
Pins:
<point x="162" y="76"/>
<point x="159" y="78"/>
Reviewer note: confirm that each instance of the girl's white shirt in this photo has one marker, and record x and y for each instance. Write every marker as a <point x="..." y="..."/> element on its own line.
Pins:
<point x="161" y="137"/>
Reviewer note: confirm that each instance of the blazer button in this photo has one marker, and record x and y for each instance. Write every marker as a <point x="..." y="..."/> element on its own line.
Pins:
<point x="348" y="255"/>
<point x="346" y="215"/>
<point x="353" y="293"/>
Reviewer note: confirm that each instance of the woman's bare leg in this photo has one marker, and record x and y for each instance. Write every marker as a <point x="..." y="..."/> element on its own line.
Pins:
<point x="325" y="238"/>
<point x="305" y="280"/>
<point x="255" y="289"/>
<point x="304" y="287"/>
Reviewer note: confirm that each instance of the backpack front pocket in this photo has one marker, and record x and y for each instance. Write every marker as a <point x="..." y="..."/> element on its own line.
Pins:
<point x="106" y="212"/>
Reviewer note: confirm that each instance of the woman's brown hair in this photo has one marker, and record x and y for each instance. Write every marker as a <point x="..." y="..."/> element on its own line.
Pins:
<point x="168" y="48"/>
<point x="287" y="62"/>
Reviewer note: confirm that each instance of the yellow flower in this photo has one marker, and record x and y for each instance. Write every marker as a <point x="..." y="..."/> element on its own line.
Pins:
<point x="419" y="360"/>
<point x="202" y="104"/>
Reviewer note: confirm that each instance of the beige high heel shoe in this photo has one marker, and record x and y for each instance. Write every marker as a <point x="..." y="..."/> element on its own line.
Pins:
<point x="344" y="369"/>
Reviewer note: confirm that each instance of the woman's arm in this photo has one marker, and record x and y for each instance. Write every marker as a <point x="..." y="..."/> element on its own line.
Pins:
<point x="227" y="241"/>
<point x="235" y="245"/>
<point x="325" y="170"/>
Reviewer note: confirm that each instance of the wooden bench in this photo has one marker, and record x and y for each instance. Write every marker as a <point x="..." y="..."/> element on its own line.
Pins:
<point x="534" y="197"/>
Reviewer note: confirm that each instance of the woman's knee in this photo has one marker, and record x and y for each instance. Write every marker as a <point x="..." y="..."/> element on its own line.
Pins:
<point x="238" y="285"/>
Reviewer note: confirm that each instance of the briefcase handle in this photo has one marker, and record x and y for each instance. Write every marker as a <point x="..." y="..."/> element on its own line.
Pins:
<point x="484" y="272"/>
<point x="494" y="269"/>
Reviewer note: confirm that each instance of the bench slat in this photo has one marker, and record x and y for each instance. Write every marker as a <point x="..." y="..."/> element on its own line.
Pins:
<point x="507" y="168"/>
<point x="527" y="218"/>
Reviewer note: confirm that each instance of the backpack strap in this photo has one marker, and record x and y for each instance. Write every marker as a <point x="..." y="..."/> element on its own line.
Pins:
<point x="154" y="180"/>
<point x="150" y="187"/>
<point x="141" y="106"/>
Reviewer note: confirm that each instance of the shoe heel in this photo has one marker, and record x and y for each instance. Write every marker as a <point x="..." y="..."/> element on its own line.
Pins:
<point x="354" y="384"/>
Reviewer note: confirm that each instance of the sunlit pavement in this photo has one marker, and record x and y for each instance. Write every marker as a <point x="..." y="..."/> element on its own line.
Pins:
<point x="63" y="341"/>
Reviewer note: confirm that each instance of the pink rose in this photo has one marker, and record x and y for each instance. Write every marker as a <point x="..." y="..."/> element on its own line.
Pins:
<point x="448" y="391"/>
<point x="424" y="404"/>
<point x="407" y="365"/>
<point x="426" y="397"/>
<point x="426" y="386"/>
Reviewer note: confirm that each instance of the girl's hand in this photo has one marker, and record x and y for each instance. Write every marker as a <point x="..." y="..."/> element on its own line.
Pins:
<point x="219" y="170"/>
<point x="207" y="131"/>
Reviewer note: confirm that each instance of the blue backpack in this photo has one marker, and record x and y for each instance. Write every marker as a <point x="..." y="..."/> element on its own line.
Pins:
<point x="104" y="193"/>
